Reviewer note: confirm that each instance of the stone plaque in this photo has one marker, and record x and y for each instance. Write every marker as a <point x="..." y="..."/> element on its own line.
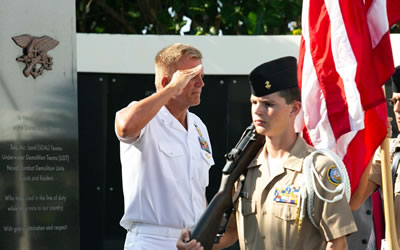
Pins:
<point x="39" y="201"/>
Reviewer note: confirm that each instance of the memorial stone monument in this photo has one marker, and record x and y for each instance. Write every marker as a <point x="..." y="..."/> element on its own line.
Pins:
<point x="39" y="192"/>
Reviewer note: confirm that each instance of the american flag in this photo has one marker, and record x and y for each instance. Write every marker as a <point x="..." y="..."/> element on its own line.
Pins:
<point x="345" y="58"/>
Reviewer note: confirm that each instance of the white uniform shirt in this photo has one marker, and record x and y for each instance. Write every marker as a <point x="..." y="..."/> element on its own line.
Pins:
<point x="165" y="172"/>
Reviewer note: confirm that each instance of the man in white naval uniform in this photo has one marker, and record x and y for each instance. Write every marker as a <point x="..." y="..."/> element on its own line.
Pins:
<point x="165" y="153"/>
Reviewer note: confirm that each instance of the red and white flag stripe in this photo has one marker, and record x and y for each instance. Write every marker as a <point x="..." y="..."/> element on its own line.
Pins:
<point x="341" y="77"/>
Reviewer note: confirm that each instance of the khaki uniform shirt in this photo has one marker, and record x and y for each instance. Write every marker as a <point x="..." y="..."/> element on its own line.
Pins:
<point x="376" y="177"/>
<point x="267" y="224"/>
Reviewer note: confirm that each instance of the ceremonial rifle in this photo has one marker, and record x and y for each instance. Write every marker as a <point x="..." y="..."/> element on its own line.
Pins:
<point x="214" y="219"/>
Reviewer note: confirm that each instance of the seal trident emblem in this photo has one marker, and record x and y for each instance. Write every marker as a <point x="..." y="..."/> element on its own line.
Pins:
<point x="35" y="53"/>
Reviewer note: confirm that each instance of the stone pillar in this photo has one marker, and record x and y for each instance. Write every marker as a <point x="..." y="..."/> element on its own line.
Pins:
<point x="39" y="185"/>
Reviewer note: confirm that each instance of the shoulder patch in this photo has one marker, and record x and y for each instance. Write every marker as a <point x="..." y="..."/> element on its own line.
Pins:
<point x="334" y="175"/>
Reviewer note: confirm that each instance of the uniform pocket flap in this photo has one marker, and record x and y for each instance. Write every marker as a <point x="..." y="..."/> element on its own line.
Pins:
<point x="170" y="149"/>
<point x="285" y="211"/>
<point x="248" y="207"/>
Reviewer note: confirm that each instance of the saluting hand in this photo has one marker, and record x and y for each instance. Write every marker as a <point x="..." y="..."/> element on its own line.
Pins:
<point x="182" y="77"/>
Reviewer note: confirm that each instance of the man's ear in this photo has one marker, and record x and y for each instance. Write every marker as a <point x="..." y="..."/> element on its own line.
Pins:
<point x="296" y="107"/>
<point x="164" y="81"/>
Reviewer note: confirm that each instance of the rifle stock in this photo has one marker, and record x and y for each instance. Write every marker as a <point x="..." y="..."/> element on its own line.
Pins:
<point x="237" y="160"/>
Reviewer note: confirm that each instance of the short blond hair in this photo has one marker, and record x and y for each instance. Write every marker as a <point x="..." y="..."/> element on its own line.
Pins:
<point x="166" y="61"/>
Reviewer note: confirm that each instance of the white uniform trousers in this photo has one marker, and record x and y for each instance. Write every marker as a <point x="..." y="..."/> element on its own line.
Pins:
<point x="151" y="237"/>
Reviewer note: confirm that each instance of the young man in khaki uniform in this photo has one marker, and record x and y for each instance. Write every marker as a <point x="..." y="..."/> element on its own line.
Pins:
<point x="375" y="177"/>
<point x="271" y="214"/>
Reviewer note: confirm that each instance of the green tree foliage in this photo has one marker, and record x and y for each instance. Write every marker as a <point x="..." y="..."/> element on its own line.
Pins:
<point x="208" y="17"/>
<point x="231" y="17"/>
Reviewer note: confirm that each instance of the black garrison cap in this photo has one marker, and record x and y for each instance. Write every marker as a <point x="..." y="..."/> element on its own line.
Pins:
<point x="274" y="76"/>
<point x="396" y="80"/>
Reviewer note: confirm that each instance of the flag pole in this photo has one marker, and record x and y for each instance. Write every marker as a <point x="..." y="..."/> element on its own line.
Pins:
<point x="388" y="204"/>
